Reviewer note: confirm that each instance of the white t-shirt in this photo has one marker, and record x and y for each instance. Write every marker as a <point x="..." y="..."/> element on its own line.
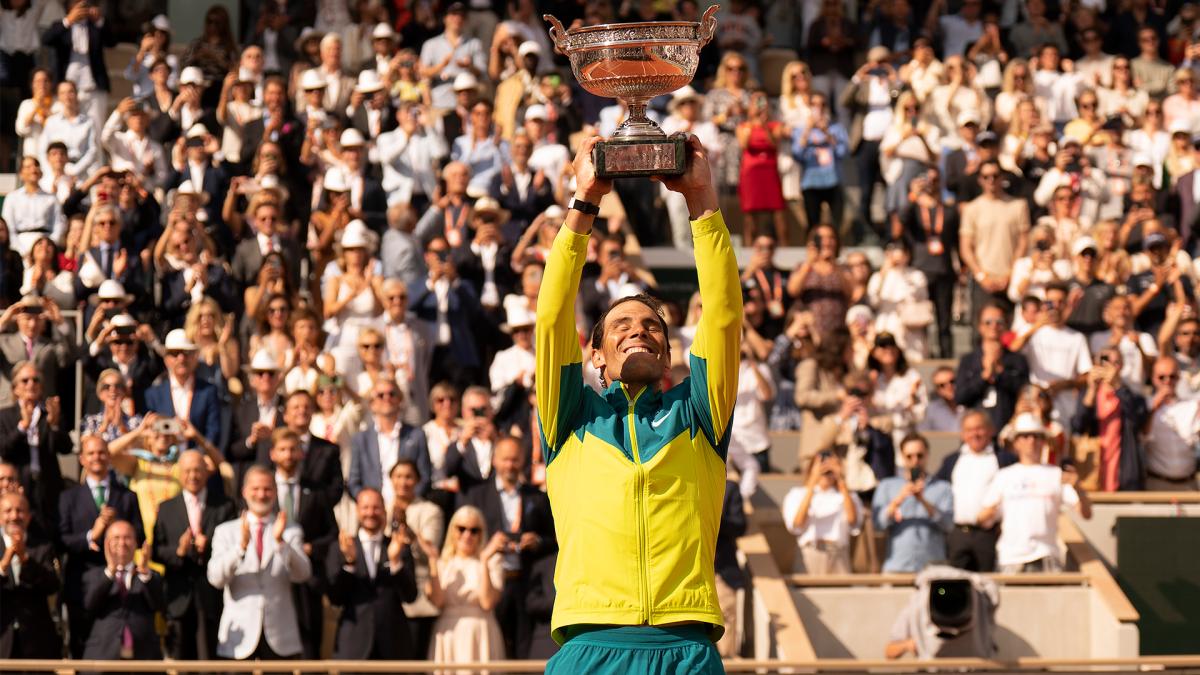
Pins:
<point x="1174" y="432"/>
<point x="1133" y="370"/>
<point x="826" y="516"/>
<point x="1058" y="354"/>
<point x="1030" y="497"/>
<point x="972" y="475"/>
<point x="750" y="432"/>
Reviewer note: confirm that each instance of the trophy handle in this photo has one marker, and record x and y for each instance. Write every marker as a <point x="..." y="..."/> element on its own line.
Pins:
<point x="557" y="33"/>
<point x="708" y="25"/>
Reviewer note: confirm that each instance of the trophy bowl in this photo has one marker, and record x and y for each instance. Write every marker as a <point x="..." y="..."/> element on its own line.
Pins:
<point x="636" y="62"/>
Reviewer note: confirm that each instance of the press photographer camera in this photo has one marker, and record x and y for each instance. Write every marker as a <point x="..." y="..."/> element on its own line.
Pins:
<point x="951" y="614"/>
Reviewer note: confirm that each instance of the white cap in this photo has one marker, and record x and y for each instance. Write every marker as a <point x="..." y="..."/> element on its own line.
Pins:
<point x="177" y="341"/>
<point x="311" y="79"/>
<point x="383" y="31"/>
<point x="111" y="289"/>
<point x="464" y="81"/>
<point x="186" y="188"/>
<point x="487" y="205"/>
<point x="355" y="235"/>
<point x="1180" y="126"/>
<point x="529" y="47"/>
<point x="1082" y="244"/>
<point x="192" y="75"/>
<point x="1142" y="159"/>
<point x="968" y="117"/>
<point x="335" y="181"/>
<point x="122" y="321"/>
<point x="351" y="138"/>
<point x="537" y="111"/>
<point x="161" y="22"/>
<point x="554" y="212"/>
<point x="1027" y="423"/>
<point x="263" y="361"/>
<point x="197" y="131"/>
<point x="859" y="313"/>
<point x="369" y="82"/>
<point x="517" y="315"/>
<point x="247" y="75"/>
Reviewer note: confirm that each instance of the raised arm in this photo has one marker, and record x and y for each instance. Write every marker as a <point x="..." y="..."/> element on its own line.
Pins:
<point x="559" y="371"/>
<point x="716" y="348"/>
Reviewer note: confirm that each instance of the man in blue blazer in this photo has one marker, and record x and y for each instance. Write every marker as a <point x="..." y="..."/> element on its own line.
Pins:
<point x="85" y="513"/>
<point x="182" y="388"/>
<point x="385" y="441"/>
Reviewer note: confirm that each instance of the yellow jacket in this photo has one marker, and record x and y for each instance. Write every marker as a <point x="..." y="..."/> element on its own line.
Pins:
<point x="636" y="482"/>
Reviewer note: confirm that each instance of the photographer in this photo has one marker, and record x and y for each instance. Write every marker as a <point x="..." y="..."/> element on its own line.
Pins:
<point x="915" y="509"/>
<point x="823" y="515"/>
<point x="129" y="349"/>
<point x="49" y="351"/>
<point x="1114" y="413"/>
<point x="469" y="460"/>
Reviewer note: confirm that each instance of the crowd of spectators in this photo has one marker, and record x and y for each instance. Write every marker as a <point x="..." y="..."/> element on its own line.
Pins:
<point x="305" y="253"/>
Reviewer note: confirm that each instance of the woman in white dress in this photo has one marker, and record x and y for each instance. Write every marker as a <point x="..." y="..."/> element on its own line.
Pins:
<point x="889" y="293"/>
<point x="352" y="298"/>
<point x="465" y="583"/>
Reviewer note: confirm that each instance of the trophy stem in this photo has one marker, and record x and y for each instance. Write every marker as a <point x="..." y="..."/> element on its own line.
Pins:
<point x="637" y="124"/>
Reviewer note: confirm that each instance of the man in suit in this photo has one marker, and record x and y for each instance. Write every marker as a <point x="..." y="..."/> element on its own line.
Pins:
<point x="990" y="377"/>
<point x="106" y="260"/>
<point x="31" y="438"/>
<point x="183" y="532"/>
<point x="79" y="40"/>
<point x="306" y="505"/>
<point x="256" y="415"/>
<point x="520" y="514"/>
<point x="321" y="466"/>
<point x="370" y="575"/>
<point x="521" y="190"/>
<point x="268" y="236"/>
<point x="409" y="349"/>
<point x="456" y="354"/>
<point x="200" y="173"/>
<point x="385" y="441"/>
<point x="182" y="394"/>
<point x="1185" y="207"/>
<point x="255" y="560"/>
<point x="85" y="512"/>
<point x="50" y="351"/>
<point x="123" y="598"/>
<point x="27" y="580"/>
<point x="368" y="202"/>
<point x="469" y="460"/>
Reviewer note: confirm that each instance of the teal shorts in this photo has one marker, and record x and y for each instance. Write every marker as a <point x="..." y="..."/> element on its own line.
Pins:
<point x="640" y="650"/>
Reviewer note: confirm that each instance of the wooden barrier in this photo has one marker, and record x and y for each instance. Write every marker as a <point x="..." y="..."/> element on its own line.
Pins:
<point x="897" y="579"/>
<point x="788" y="637"/>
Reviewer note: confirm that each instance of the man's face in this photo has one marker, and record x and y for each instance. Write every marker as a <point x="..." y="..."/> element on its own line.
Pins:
<point x="252" y="58"/>
<point x="297" y="413"/>
<point x="385" y="399"/>
<point x="457" y="175"/>
<point x="57" y="158"/>
<point x="94" y="458"/>
<point x="914" y="455"/>
<point x="454" y="22"/>
<point x="193" y="474"/>
<point x="287" y="455"/>
<point x="1054" y="307"/>
<point x="1148" y="41"/>
<point x="67" y="96"/>
<point x="1119" y="313"/>
<point x="508" y="461"/>
<point x="27" y="384"/>
<point x="976" y="432"/>
<point x="14" y="512"/>
<point x="536" y="128"/>
<point x="331" y="52"/>
<point x="10" y="481"/>
<point x="382" y="46"/>
<point x="943" y="384"/>
<point x="1187" y="338"/>
<point x="259" y="492"/>
<point x="30" y="323"/>
<point x="264" y="382"/>
<point x="107" y="227"/>
<point x="274" y="95"/>
<point x="370" y="511"/>
<point x="31" y="171"/>
<point x="404" y="482"/>
<point x="476" y="407"/>
<point x="396" y="298"/>
<point x="522" y="149"/>
<point x="1029" y="446"/>
<point x="182" y="364"/>
<point x="119" y="542"/>
<point x="634" y="349"/>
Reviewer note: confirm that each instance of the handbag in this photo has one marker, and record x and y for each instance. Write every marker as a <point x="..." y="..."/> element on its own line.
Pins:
<point x="916" y="313"/>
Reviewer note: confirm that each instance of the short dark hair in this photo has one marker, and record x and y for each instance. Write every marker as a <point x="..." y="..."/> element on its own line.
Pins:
<point x="914" y="436"/>
<point x="1059" y="286"/>
<point x="404" y="461"/>
<point x="647" y="300"/>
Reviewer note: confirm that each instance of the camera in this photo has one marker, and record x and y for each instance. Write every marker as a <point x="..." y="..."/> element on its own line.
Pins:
<point x="124" y="331"/>
<point x="479" y="412"/>
<point x="168" y="425"/>
<point x="858" y="393"/>
<point x="951" y="606"/>
<point x="914" y="474"/>
<point x="1042" y="245"/>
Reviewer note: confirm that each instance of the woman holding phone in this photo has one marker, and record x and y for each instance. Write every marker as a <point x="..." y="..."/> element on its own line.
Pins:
<point x="759" y="187"/>
<point x="821" y="282"/>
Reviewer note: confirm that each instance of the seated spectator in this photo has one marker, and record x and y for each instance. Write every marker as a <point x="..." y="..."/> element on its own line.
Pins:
<point x="27" y="581"/>
<point x="1025" y="499"/>
<point x="465" y="583"/>
<point x="1114" y="413"/>
<point x="85" y="513"/>
<point x="369" y="575"/>
<point x="122" y="599"/>
<point x="1171" y="434"/>
<point x="823" y="516"/>
<point x="944" y="413"/>
<point x="255" y="559"/>
<point x="183" y="534"/>
<point x="915" y="509"/>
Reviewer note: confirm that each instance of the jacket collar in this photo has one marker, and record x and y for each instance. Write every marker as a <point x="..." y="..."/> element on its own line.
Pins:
<point x="619" y="396"/>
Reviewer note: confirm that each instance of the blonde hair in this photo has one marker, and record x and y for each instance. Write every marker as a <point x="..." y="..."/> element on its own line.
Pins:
<point x="192" y="322"/>
<point x="1009" y="82"/>
<point x="903" y="100"/>
<point x="450" y="547"/>
<point x="786" y="89"/>
<point x="720" y="83"/>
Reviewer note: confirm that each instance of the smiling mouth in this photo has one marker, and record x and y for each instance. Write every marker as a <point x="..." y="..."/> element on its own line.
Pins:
<point x="637" y="349"/>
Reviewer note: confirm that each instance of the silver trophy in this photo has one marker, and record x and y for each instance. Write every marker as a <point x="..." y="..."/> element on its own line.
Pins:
<point x="636" y="62"/>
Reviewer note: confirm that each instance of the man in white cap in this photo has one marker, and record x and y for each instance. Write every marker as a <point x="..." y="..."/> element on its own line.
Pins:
<point x="549" y="156"/>
<point x="446" y="55"/>
<point x="370" y="109"/>
<point x="383" y="43"/>
<point x="1026" y="498"/>
<point x="457" y="119"/>
<point x="513" y="90"/>
<point x="515" y="365"/>
<point x="367" y="199"/>
<point x="311" y="100"/>
<point x="182" y="394"/>
<point x="410" y="154"/>
<point x="187" y="110"/>
<point x="130" y="148"/>
<point x="257" y="414"/>
<point x="195" y="164"/>
<point x="153" y="47"/>
<point x="50" y="351"/>
<point x="72" y="126"/>
<point x="128" y="348"/>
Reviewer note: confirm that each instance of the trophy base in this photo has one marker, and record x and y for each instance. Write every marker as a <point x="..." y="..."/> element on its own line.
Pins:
<point x="621" y="158"/>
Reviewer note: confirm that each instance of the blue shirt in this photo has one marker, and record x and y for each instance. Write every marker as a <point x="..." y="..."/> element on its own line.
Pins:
<point x="820" y="153"/>
<point x="919" y="538"/>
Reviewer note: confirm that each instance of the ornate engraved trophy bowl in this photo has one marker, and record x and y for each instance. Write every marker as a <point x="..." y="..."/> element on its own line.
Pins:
<point x="636" y="62"/>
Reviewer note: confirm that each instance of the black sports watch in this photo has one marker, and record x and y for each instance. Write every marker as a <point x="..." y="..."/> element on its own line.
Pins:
<point x="583" y="207"/>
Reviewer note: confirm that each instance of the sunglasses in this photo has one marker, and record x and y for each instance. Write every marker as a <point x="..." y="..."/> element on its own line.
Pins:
<point x="110" y="386"/>
<point x="384" y="395"/>
<point x="947" y="383"/>
<point x="1167" y="378"/>
<point x="468" y="530"/>
<point x="176" y="354"/>
<point x="1027" y="435"/>
<point x="371" y="345"/>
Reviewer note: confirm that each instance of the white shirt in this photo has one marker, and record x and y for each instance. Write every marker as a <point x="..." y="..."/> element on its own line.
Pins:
<point x="483" y="455"/>
<point x="181" y="396"/>
<point x="826" y="516"/>
<point x="389" y="452"/>
<point x="31" y="216"/>
<point x="1058" y="354"/>
<point x="284" y="486"/>
<point x="879" y="108"/>
<point x="509" y="366"/>
<point x="550" y="158"/>
<point x="194" y="505"/>
<point x="1133" y="370"/>
<point x="408" y="162"/>
<point x="1030" y="497"/>
<point x="372" y="546"/>
<point x="973" y="473"/>
<point x="1058" y="91"/>
<point x="79" y="135"/>
<point x="750" y="431"/>
<point x="510" y="503"/>
<point x="127" y="573"/>
<point x="196" y="173"/>
<point x="267" y="411"/>
<point x="1172" y="438"/>
<point x="15" y="564"/>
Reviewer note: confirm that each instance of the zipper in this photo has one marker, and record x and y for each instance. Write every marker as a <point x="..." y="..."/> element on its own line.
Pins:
<point x="639" y="503"/>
